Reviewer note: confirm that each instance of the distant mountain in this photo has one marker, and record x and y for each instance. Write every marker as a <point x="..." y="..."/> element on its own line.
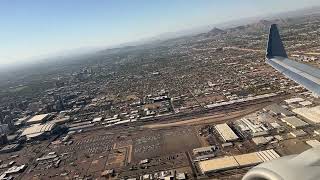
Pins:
<point x="254" y="27"/>
<point x="215" y="31"/>
<point x="262" y="24"/>
<point x="250" y="24"/>
<point x="166" y="36"/>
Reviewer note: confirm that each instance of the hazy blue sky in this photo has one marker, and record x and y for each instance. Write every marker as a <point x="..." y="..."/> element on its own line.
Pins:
<point x="30" y="28"/>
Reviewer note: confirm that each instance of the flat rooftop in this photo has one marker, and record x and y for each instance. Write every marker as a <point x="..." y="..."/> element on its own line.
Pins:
<point x="226" y="132"/>
<point x="277" y="109"/>
<point x="224" y="163"/>
<point x="248" y="159"/>
<point x="204" y="149"/>
<point x="238" y="161"/>
<point x="294" y="122"/>
<point x="293" y="100"/>
<point x="38" y="118"/>
<point x="312" y="114"/>
<point x="313" y="143"/>
<point x="38" y="128"/>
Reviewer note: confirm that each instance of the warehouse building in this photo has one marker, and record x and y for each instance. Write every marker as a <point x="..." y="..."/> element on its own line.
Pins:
<point x="253" y="127"/>
<point x="204" y="150"/>
<point x="204" y="153"/>
<point x="226" y="132"/>
<point x="311" y="114"/>
<point x="38" y="119"/>
<point x="10" y="148"/>
<point x="260" y="140"/>
<point x="298" y="133"/>
<point x="61" y="120"/>
<point x="21" y="121"/>
<point x="305" y="103"/>
<point x="294" y="100"/>
<point x="218" y="164"/>
<point x="39" y="131"/>
<point x="317" y="131"/>
<point x="238" y="161"/>
<point x="249" y="159"/>
<point x="278" y="110"/>
<point x="313" y="143"/>
<point x="294" y="122"/>
<point x="238" y="101"/>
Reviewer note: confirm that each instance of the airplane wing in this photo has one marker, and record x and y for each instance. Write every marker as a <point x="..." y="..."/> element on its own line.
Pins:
<point x="305" y="75"/>
<point x="294" y="167"/>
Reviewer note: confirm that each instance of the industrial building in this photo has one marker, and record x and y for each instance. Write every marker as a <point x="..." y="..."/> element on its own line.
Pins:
<point x="254" y="128"/>
<point x="204" y="150"/>
<point x="249" y="159"/>
<point x="313" y="143"/>
<point x="268" y="155"/>
<point x="305" y="103"/>
<point x="298" y="133"/>
<point x="80" y="126"/>
<point x="260" y="140"/>
<point x="38" y="119"/>
<point x="226" y="132"/>
<point x="238" y="161"/>
<point x="204" y="153"/>
<point x="238" y="101"/>
<point x="218" y="164"/>
<point x="275" y="125"/>
<point x="21" y="121"/>
<point x="62" y="120"/>
<point x="294" y="100"/>
<point x="13" y="170"/>
<point x="38" y="131"/>
<point x="265" y="117"/>
<point x="317" y="131"/>
<point x="10" y="148"/>
<point x="294" y="122"/>
<point x="278" y="110"/>
<point x="97" y="119"/>
<point x="311" y="114"/>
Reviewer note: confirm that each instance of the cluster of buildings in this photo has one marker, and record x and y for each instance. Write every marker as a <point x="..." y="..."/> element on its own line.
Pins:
<point x="296" y="117"/>
<point x="163" y="175"/>
<point x="238" y="161"/>
<point x="214" y="70"/>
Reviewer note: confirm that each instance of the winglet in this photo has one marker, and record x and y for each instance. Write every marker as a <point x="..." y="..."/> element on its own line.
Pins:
<point x="275" y="45"/>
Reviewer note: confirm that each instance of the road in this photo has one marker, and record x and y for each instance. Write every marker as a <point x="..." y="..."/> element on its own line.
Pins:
<point x="218" y="117"/>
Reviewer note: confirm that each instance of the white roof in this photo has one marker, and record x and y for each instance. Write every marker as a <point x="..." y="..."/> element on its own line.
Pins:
<point x="298" y="133"/>
<point x="268" y="155"/>
<point x="202" y="149"/>
<point x="313" y="143"/>
<point x="232" y="162"/>
<point x="223" y="163"/>
<point x="98" y="119"/>
<point x="294" y="100"/>
<point x="61" y="120"/>
<point x="38" y="128"/>
<point x="312" y="114"/>
<point x="226" y="132"/>
<point x="294" y="121"/>
<point x="248" y="159"/>
<point x="275" y="125"/>
<point x="37" y="118"/>
<point x="260" y="140"/>
<point x="241" y="100"/>
<point x="305" y="103"/>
